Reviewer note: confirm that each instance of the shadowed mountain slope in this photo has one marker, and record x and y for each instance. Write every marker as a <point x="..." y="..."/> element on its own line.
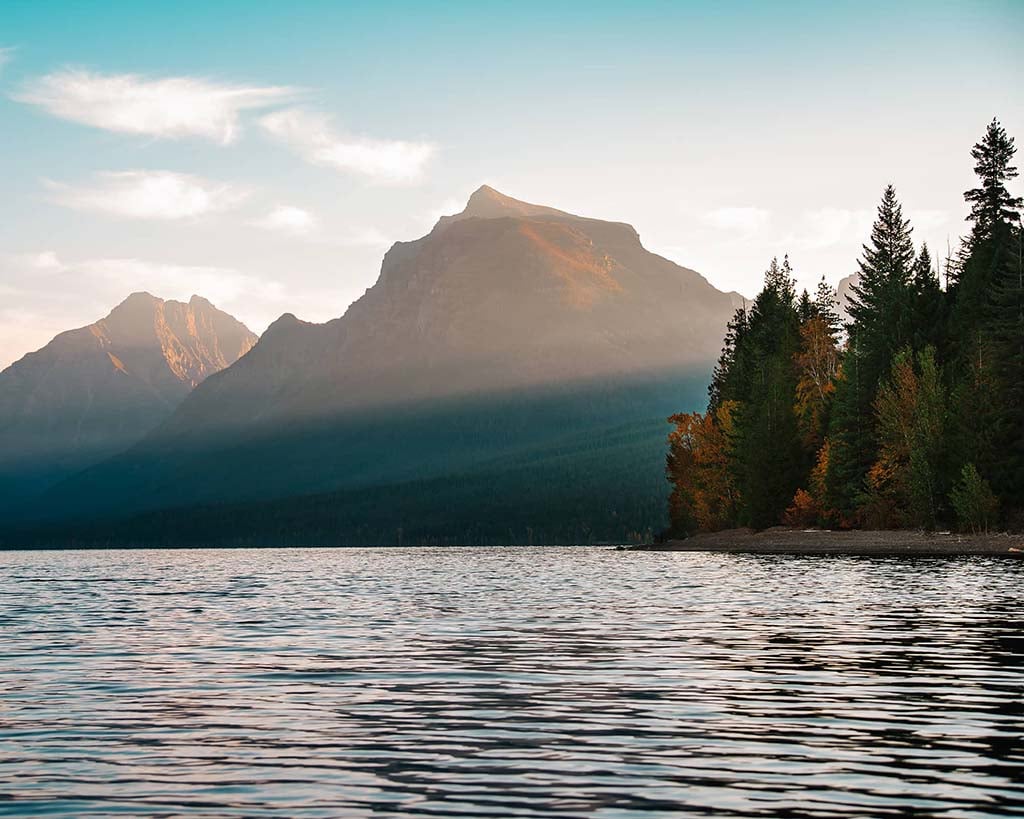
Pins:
<point x="94" y="391"/>
<point x="510" y="340"/>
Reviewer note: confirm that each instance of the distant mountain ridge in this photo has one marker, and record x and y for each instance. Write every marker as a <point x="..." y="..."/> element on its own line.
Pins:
<point x="96" y="390"/>
<point x="512" y="339"/>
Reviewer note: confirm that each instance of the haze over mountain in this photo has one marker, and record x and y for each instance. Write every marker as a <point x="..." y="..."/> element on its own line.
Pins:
<point x="503" y="295"/>
<point x="513" y="338"/>
<point x="93" y="391"/>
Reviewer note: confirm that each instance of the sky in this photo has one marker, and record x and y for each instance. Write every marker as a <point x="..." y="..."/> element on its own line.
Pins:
<point x="265" y="155"/>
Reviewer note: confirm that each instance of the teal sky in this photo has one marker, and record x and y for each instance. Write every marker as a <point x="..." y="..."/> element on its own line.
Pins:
<point x="726" y="133"/>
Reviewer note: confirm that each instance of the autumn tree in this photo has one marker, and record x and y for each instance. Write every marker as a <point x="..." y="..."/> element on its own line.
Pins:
<point x="905" y="481"/>
<point x="704" y="495"/>
<point x="872" y="423"/>
<point x="817" y="365"/>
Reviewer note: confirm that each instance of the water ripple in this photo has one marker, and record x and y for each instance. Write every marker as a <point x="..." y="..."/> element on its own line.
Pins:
<point x="508" y="682"/>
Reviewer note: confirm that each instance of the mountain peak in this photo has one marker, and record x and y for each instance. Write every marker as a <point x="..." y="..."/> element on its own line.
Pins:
<point x="139" y="300"/>
<point x="489" y="203"/>
<point x="95" y="390"/>
<point x="284" y="322"/>
<point x="486" y="198"/>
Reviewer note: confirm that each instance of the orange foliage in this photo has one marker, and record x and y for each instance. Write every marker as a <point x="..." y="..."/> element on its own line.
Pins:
<point x="698" y="467"/>
<point x="820" y="471"/>
<point x="803" y="511"/>
<point x="810" y="507"/>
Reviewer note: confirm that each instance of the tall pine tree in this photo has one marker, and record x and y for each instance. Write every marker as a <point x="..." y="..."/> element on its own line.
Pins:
<point x="986" y="380"/>
<point x="826" y="304"/>
<point x="880" y="308"/>
<point x="927" y="305"/>
<point x="769" y="462"/>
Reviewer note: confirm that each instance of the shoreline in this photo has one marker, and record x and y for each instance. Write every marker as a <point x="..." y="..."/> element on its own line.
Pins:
<point x="781" y="540"/>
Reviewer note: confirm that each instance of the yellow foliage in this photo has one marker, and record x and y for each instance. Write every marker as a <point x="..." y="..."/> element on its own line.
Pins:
<point x="817" y="364"/>
<point x="698" y="467"/>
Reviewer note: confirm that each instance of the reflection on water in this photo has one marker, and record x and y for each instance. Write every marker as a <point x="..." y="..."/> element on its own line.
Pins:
<point x="508" y="682"/>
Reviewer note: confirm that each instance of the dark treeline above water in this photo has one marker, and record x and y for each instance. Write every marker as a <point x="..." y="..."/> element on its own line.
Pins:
<point x="910" y="415"/>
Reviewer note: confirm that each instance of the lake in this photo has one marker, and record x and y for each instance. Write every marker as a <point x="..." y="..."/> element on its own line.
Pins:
<point x="508" y="682"/>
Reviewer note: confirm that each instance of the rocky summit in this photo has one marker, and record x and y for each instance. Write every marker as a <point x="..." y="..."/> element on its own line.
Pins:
<point x="96" y="390"/>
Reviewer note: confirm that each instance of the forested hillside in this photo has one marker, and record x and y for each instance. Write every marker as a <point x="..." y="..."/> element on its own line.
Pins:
<point x="910" y="415"/>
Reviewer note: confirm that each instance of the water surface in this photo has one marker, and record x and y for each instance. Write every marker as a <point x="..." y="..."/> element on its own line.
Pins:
<point x="508" y="682"/>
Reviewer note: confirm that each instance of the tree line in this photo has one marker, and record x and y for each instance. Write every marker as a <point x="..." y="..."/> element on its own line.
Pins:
<point x="909" y="414"/>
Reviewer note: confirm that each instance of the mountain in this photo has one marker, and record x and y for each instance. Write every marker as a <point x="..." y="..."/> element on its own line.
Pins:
<point x="844" y="292"/>
<point x="515" y="348"/>
<point x="503" y="295"/>
<point x="97" y="390"/>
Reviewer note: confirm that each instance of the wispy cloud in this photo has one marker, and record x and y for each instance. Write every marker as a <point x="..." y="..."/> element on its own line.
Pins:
<point x="170" y="107"/>
<point x="45" y="261"/>
<point x="6" y="55"/>
<point x="299" y="222"/>
<point x="746" y="220"/>
<point x="312" y="136"/>
<point x="148" y="195"/>
<point x="289" y="219"/>
<point x="221" y="285"/>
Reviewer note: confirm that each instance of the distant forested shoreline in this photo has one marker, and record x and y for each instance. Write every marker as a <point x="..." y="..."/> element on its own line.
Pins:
<point x="910" y="414"/>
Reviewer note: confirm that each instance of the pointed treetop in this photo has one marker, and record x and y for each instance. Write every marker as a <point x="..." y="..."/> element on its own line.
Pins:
<point x="779" y="279"/>
<point x="991" y="203"/>
<point x="890" y="254"/>
<point x="826" y="303"/>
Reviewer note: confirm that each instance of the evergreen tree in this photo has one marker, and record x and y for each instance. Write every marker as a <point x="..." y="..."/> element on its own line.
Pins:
<point x="729" y="378"/>
<point x="880" y="326"/>
<point x="992" y="206"/>
<point x="927" y="393"/>
<point x="974" y="501"/>
<point x="769" y="458"/>
<point x="1005" y="316"/>
<point x="826" y="305"/>
<point x="982" y="325"/>
<point x="880" y="301"/>
<point x="928" y="305"/>
<point x="805" y="310"/>
<point x="851" y="438"/>
<point x="927" y="443"/>
<point x="994" y="212"/>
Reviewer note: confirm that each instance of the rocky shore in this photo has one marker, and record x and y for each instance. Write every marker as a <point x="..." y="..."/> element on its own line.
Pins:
<point x="784" y="541"/>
